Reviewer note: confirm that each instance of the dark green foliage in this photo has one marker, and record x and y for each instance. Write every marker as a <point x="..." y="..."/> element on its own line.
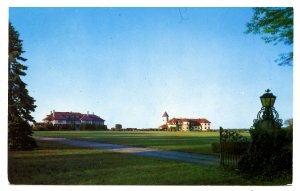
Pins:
<point x="44" y="127"/>
<point x="20" y="104"/>
<point x="18" y="136"/>
<point x="131" y="129"/>
<point x="65" y="127"/>
<point x="92" y="127"/>
<point x="276" y="25"/>
<point x="231" y="147"/>
<point x="118" y="127"/>
<point x="289" y="123"/>
<point x="231" y="136"/>
<point x="51" y="127"/>
<point x="270" y="154"/>
<point x="69" y="127"/>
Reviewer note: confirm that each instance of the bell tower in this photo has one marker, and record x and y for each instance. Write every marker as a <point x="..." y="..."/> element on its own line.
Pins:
<point x="165" y="118"/>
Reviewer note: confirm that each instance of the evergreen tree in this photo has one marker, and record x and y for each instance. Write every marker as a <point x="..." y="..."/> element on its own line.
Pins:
<point x="20" y="104"/>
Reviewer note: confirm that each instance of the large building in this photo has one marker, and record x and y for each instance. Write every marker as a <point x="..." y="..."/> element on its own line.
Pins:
<point x="185" y="124"/>
<point x="61" y="118"/>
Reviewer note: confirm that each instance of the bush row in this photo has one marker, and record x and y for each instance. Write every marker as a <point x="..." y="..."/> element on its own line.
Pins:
<point x="92" y="127"/>
<point x="68" y="127"/>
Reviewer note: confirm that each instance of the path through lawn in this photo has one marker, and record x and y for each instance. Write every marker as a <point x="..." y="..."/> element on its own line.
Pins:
<point x="142" y="151"/>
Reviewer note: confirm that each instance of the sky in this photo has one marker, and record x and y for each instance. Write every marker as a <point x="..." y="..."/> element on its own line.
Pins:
<point x="130" y="65"/>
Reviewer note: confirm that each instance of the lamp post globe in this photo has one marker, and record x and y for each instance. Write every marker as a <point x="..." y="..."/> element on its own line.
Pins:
<point x="267" y="99"/>
<point x="267" y="117"/>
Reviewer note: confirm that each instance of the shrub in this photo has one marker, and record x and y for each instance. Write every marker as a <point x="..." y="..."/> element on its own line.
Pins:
<point x="66" y="127"/>
<point x="232" y="136"/>
<point x="45" y="127"/>
<point x="118" y="127"/>
<point x="18" y="138"/>
<point x="92" y="127"/>
<point x="51" y="127"/>
<point x="39" y="127"/>
<point x="270" y="154"/>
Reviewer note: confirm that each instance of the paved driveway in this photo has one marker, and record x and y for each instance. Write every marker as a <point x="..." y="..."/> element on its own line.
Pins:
<point x="142" y="151"/>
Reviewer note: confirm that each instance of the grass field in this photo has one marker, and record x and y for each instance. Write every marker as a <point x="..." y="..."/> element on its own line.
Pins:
<point x="195" y="142"/>
<point x="60" y="164"/>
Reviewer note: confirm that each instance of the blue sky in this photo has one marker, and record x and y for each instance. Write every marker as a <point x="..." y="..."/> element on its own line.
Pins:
<point x="129" y="65"/>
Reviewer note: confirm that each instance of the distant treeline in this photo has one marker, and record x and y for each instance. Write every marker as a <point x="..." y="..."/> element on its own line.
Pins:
<point x="170" y="129"/>
<point x="235" y="130"/>
<point x="136" y="129"/>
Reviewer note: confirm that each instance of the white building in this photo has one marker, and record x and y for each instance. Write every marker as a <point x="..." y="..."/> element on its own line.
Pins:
<point x="61" y="118"/>
<point x="185" y="124"/>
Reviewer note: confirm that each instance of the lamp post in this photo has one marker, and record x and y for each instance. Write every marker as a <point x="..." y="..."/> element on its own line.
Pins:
<point x="267" y="117"/>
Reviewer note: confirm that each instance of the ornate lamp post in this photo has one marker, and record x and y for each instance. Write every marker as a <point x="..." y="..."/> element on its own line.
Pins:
<point x="270" y="154"/>
<point x="267" y="117"/>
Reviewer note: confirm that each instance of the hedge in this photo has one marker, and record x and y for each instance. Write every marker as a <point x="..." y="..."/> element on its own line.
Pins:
<point x="69" y="127"/>
<point x="270" y="154"/>
<point x="92" y="127"/>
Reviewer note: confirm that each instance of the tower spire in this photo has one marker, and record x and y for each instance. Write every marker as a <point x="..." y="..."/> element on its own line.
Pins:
<point x="165" y="118"/>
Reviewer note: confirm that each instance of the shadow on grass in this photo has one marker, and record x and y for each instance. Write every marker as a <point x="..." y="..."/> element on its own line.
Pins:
<point x="79" y="166"/>
<point x="56" y="164"/>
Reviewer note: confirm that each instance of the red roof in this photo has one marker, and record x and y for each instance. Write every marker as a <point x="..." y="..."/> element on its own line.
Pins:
<point x="74" y="116"/>
<point x="165" y="114"/>
<point x="179" y="121"/>
<point x="165" y="126"/>
<point x="59" y="117"/>
<point x="48" y="118"/>
<point x="86" y="118"/>
<point x="175" y="121"/>
<point x="203" y="120"/>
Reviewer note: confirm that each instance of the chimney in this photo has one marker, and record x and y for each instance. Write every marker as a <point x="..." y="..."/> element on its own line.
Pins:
<point x="53" y="113"/>
<point x="87" y="112"/>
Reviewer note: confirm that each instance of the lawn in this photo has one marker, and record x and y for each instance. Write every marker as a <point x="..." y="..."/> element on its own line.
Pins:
<point x="60" y="164"/>
<point x="195" y="142"/>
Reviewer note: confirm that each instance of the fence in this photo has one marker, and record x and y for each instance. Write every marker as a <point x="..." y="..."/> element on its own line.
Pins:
<point x="232" y="147"/>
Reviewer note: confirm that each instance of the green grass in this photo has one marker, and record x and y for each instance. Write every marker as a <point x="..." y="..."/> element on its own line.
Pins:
<point x="195" y="142"/>
<point x="60" y="164"/>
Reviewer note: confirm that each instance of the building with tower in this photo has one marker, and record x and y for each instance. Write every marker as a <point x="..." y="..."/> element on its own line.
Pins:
<point x="184" y="124"/>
